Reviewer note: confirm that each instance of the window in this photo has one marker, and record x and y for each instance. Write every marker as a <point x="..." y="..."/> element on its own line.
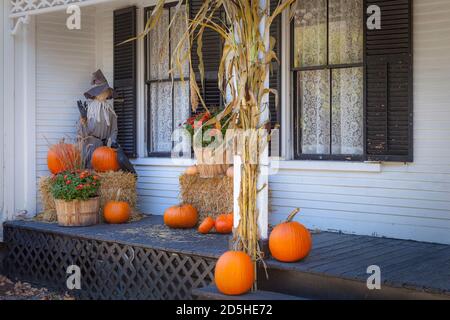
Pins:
<point x="168" y="101"/>
<point x="328" y="72"/>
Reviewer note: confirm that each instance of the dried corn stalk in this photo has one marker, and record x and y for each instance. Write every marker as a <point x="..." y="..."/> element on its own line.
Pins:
<point x="243" y="71"/>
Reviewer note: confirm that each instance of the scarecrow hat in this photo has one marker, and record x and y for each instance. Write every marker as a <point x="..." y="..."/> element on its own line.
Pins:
<point x="99" y="85"/>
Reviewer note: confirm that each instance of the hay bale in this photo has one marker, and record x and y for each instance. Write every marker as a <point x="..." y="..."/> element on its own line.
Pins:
<point x="211" y="196"/>
<point x="111" y="182"/>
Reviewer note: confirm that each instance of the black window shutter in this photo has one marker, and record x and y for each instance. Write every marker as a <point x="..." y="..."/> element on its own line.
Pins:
<point x="389" y="105"/>
<point x="275" y="76"/>
<point x="212" y="54"/>
<point x="125" y="79"/>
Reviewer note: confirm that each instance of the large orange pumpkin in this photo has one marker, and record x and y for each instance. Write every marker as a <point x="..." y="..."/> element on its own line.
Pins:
<point x="55" y="153"/>
<point x="181" y="217"/>
<point x="206" y="225"/>
<point x="234" y="274"/>
<point x="224" y="223"/>
<point x="116" y="212"/>
<point x="290" y="241"/>
<point x="104" y="159"/>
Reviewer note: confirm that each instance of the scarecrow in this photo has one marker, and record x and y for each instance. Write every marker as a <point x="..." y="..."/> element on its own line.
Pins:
<point x="98" y="122"/>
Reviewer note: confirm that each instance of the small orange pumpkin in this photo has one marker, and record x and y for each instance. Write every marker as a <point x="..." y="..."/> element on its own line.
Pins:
<point x="224" y="223"/>
<point x="117" y="212"/>
<point x="206" y="225"/>
<point x="290" y="241"/>
<point x="104" y="159"/>
<point x="191" y="171"/>
<point x="55" y="154"/>
<point x="234" y="274"/>
<point x="181" y="217"/>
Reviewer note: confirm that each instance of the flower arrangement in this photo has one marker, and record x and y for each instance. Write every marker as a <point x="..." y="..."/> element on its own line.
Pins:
<point x="210" y="130"/>
<point x="75" y="185"/>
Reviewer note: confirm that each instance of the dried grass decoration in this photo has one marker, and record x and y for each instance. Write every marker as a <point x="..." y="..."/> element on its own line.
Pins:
<point x="210" y="196"/>
<point x="242" y="78"/>
<point x="111" y="183"/>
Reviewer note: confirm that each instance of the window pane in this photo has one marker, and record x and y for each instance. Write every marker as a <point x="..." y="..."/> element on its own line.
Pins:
<point x="310" y="33"/>
<point x="347" y="131"/>
<point x="177" y="30"/>
<point x="346" y="31"/>
<point x="181" y="102"/>
<point x="161" y="116"/>
<point x="315" y="111"/>
<point x="158" y="44"/>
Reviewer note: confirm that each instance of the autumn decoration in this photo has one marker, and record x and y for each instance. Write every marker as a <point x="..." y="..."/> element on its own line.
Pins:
<point x="234" y="273"/>
<point x="181" y="217"/>
<point x="290" y="241"/>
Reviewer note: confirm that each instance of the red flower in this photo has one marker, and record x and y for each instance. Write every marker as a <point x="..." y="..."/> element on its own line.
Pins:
<point x="65" y="177"/>
<point x="80" y="187"/>
<point x="68" y="182"/>
<point x="198" y="124"/>
<point x="190" y="121"/>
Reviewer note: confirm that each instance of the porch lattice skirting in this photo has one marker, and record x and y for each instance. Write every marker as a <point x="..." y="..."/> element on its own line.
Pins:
<point x="109" y="270"/>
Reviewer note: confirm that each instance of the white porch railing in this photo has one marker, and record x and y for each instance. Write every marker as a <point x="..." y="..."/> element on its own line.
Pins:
<point x="20" y="8"/>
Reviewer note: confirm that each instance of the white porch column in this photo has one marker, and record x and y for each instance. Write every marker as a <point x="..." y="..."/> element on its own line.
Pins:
<point x="25" y="119"/>
<point x="2" y="173"/>
<point x="262" y="200"/>
<point x="8" y="114"/>
<point x="18" y="127"/>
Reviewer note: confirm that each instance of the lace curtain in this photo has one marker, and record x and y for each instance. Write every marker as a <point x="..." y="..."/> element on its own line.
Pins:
<point x="169" y="102"/>
<point x="331" y="99"/>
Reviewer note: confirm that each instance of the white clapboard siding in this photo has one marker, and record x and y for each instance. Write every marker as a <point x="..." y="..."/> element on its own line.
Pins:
<point x="65" y="60"/>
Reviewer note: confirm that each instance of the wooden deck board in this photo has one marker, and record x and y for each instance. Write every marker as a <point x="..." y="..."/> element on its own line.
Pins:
<point x="404" y="264"/>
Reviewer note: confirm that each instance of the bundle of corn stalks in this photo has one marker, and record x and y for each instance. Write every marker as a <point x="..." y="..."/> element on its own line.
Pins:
<point x="243" y="73"/>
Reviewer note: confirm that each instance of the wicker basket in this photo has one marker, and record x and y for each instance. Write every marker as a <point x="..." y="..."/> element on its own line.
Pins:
<point x="78" y="213"/>
<point x="211" y="164"/>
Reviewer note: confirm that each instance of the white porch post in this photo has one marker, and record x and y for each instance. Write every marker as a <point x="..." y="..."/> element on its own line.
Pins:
<point x="262" y="200"/>
<point x="19" y="181"/>
<point x="8" y="115"/>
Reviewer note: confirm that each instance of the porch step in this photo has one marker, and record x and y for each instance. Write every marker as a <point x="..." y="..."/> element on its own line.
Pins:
<point x="211" y="293"/>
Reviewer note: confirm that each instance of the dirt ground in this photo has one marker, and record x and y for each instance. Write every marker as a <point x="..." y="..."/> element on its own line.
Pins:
<point x="10" y="290"/>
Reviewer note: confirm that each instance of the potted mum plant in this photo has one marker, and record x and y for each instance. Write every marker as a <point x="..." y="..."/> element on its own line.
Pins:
<point x="209" y="143"/>
<point x="76" y="198"/>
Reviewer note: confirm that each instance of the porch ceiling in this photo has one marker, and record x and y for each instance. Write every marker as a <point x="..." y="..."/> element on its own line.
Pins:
<point x="21" y="8"/>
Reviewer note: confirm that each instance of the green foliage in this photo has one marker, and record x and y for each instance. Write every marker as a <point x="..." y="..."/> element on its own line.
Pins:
<point x="75" y="185"/>
<point x="210" y="130"/>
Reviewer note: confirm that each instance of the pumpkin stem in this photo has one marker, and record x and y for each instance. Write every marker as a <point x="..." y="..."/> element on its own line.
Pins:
<point x="292" y="215"/>
<point x="119" y="192"/>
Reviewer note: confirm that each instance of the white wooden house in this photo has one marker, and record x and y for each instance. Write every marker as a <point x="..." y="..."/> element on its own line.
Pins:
<point x="381" y="168"/>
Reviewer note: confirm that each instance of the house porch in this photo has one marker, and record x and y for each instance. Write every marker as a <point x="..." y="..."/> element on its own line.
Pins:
<point x="147" y="260"/>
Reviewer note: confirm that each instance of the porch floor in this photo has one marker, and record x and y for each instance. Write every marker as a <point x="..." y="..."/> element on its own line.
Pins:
<point x="416" y="266"/>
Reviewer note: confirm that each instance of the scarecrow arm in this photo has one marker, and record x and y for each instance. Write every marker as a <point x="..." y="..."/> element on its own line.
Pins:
<point x="82" y="108"/>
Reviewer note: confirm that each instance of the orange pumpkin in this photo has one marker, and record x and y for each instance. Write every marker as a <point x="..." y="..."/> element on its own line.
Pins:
<point x="116" y="212"/>
<point x="234" y="274"/>
<point x="181" y="217"/>
<point x="224" y="223"/>
<point x="206" y="225"/>
<point x="191" y="171"/>
<point x="104" y="159"/>
<point x="55" y="162"/>
<point x="290" y="241"/>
